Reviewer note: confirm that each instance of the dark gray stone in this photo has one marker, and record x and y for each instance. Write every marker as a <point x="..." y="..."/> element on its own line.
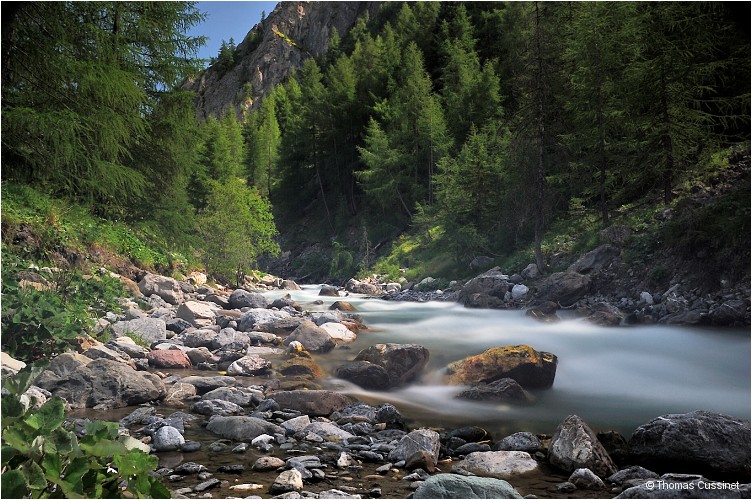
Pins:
<point x="457" y="486"/>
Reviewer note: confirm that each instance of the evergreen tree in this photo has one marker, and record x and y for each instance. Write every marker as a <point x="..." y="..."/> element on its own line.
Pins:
<point x="263" y="139"/>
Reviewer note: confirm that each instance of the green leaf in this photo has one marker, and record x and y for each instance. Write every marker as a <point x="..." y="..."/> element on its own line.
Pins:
<point x="49" y="417"/>
<point x="16" y="438"/>
<point x="102" y="448"/>
<point x="53" y="466"/>
<point x="34" y="475"/>
<point x="13" y="484"/>
<point x="20" y="382"/>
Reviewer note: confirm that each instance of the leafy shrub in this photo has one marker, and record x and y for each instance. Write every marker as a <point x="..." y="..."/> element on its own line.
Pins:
<point x="43" y="458"/>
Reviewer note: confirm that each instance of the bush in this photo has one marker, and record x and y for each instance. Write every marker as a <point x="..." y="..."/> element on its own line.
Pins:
<point x="43" y="458"/>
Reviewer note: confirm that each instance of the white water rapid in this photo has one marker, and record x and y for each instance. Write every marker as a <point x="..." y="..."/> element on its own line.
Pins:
<point x="613" y="377"/>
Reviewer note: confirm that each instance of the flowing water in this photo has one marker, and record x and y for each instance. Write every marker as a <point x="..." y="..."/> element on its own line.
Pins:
<point x="614" y="378"/>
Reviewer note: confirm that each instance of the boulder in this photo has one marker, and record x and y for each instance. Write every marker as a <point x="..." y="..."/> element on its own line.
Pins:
<point x="199" y="314"/>
<point x="403" y="363"/>
<point x="459" y="486"/>
<point x="267" y="463"/>
<point x="575" y="446"/>
<point x="241" y="428"/>
<point x="104" y="352"/>
<point x="289" y="285"/>
<point x="313" y="403"/>
<point x="341" y="305"/>
<point x="498" y="464"/>
<point x="417" y="441"/>
<point x="328" y="430"/>
<point x="313" y="338"/>
<point x="206" y="384"/>
<point x="328" y="291"/>
<point x="287" y="481"/>
<point x="199" y="355"/>
<point x="249" y="365"/>
<point x="177" y="325"/>
<point x="85" y="383"/>
<point x="585" y="479"/>
<point x="530" y="272"/>
<point x="615" y="235"/>
<point x="220" y="407"/>
<point x="356" y="286"/>
<point x="168" y="289"/>
<point x="520" y="441"/>
<point x="564" y="288"/>
<point x="172" y="358"/>
<point x="519" y="291"/>
<point x="530" y="368"/>
<point x="503" y="390"/>
<point x="301" y="366"/>
<point x="485" y="290"/>
<point x="699" y="442"/>
<point x="167" y="438"/>
<point x="149" y="329"/>
<point x="731" y="312"/>
<point x="364" y="374"/>
<point x="128" y="346"/>
<point x="178" y="393"/>
<point x="595" y="259"/>
<point x="339" y="332"/>
<point x="256" y="319"/>
<point x="242" y="298"/>
<point x="238" y="395"/>
<point x="197" y="338"/>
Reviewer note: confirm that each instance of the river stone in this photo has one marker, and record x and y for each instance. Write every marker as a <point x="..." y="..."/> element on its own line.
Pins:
<point x="262" y="320"/>
<point x="415" y="441"/>
<point x="168" y="438"/>
<point x="173" y="358"/>
<point x="84" y="383"/>
<point x="328" y="291"/>
<point x="313" y="338"/>
<point x="206" y="384"/>
<point x="364" y="374"/>
<point x="338" y="332"/>
<point x="149" y="329"/>
<point x="575" y="446"/>
<point x="341" y="305"/>
<point x="356" y="286"/>
<point x="177" y="325"/>
<point x="519" y="291"/>
<point x="301" y="366"/>
<point x="530" y="368"/>
<point x="564" y="288"/>
<point x="458" y="486"/>
<point x="267" y="463"/>
<point x="595" y="259"/>
<point x="199" y="314"/>
<point x="504" y="390"/>
<point x="289" y="480"/>
<point x="498" y="464"/>
<point x="104" y="352"/>
<point x="699" y="442"/>
<point x="200" y="355"/>
<point x="217" y="407"/>
<point x="585" y="479"/>
<point x="296" y="424"/>
<point x="177" y="394"/>
<point x="318" y="403"/>
<point x="232" y="394"/>
<point x="520" y="441"/>
<point x="328" y="430"/>
<point x="403" y="363"/>
<point x="289" y="285"/>
<point x="128" y="346"/>
<point x="249" y="365"/>
<point x="241" y="428"/>
<point x="168" y="289"/>
<point x="242" y="298"/>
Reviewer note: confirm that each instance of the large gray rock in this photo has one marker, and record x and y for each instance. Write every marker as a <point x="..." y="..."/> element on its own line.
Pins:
<point x="565" y="288"/>
<point x="149" y="329"/>
<point x="199" y="314"/>
<point x="485" y="290"/>
<point x="457" y="486"/>
<point x="85" y="383"/>
<point x="168" y="289"/>
<point x="575" y="446"/>
<point x="403" y="363"/>
<point x="168" y="438"/>
<point x="238" y="395"/>
<point x="699" y="442"/>
<point x="206" y="384"/>
<point x="520" y="441"/>
<point x="242" y="298"/>
<point x="219" y="407"/>
<point x="244" y="429"/>
<point x="313" y="403"/>
<point x="498" y="464"/>
<point x="364" y="374"/>
<point x="328" y="430"/>
<point x="530" y="368"/>
<point x="287" y="481"/>
<point x="504" y="390"/>
<point x="417" y="441"/>
<point x="259" y="319"/>
<point x="595" y="259"/>
<point x="313" y="338"/>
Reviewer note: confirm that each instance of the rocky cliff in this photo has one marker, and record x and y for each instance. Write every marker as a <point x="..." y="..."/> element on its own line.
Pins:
<point x="270" y="51"/>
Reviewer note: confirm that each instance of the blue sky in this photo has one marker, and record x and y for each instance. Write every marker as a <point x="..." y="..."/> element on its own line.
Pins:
<point x="225" y="20"/>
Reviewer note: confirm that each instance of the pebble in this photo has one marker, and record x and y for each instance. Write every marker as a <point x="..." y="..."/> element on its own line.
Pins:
<point x="211" y="483"/>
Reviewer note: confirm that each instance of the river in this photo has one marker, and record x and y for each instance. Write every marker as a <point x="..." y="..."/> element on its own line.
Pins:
<point x="615" y="378"/>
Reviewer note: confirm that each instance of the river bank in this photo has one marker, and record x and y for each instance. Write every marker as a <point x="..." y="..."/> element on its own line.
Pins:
<point x="596" y="371"/>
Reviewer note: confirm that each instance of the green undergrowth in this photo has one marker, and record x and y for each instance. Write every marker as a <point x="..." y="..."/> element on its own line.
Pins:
<point x="57" y="225"/>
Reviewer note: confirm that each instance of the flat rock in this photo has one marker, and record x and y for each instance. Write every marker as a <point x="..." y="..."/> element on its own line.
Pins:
<point x="173" y="358"/>
<point x="241" y="428"/>
<point x="318" y="403"/>
<point x="499" y="464"/>
<point x="339" y="332"/>
<point x="458" y="486"/>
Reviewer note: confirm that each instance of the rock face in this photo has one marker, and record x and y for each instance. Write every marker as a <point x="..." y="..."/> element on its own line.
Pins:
<point x="699" y="442"/>
<point x="530" y="368"/>
<point x="264" y="59"/>
<point x="403" y="363"/>
<point x="85" y="383"/>
<point x="457" y="486"/>
<point x="575" y="446"/>
<point x="498" y="464"/>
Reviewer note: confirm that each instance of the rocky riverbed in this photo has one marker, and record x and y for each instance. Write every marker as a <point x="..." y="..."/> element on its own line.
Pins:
<point x="222" y="386"/>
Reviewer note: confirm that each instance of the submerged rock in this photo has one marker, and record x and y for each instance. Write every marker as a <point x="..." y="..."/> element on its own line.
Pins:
<point x="314" y="403"/>
<point x="504" y="390"/>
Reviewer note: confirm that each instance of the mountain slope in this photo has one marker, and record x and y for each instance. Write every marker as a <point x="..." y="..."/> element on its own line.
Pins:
<point x="270" y="51"/>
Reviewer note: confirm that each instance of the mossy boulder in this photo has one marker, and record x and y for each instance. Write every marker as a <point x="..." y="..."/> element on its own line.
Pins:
<point x="530" y="368"/>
